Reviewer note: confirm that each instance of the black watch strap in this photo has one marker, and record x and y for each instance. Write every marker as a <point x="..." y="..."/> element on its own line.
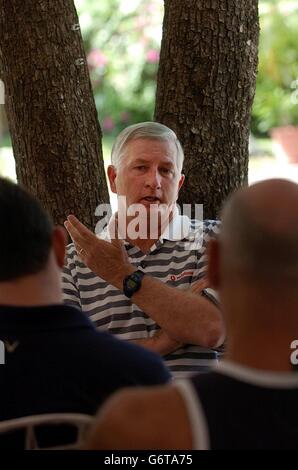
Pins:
<point x="132" y="283"/>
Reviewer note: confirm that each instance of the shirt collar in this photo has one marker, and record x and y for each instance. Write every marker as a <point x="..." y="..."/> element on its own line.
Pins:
<point x="178" y="228"/>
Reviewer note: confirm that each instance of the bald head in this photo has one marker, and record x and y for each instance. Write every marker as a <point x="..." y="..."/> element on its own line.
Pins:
<point x="260" y="233"/>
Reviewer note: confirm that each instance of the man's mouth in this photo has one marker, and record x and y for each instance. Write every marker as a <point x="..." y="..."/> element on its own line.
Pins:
<point x="151" y="199"/>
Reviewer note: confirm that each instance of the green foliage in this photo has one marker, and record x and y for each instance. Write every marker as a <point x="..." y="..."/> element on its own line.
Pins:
<point x="276" y="102"/>
<point x="122" y="41"/>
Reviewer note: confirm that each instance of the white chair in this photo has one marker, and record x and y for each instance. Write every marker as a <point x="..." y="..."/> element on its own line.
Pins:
<point x="29" y="424"/>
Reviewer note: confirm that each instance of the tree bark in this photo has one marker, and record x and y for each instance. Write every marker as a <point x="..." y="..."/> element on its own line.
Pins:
<point x="50" y="107"/>
<point x="205" y="89"/>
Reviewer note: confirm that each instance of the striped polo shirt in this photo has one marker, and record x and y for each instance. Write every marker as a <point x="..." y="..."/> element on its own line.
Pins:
<point x="178" y="259"/>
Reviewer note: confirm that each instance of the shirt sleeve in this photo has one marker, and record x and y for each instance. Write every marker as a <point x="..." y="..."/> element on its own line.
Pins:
<point x="211" y="230"/>
<point x="71" y="293"/>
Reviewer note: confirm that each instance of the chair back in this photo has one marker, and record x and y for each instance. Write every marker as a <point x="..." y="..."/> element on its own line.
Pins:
<point x="45" y="431"/>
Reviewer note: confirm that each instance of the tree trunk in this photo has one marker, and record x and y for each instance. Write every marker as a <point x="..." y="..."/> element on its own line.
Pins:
<point x="50" y="107"/>
<point x="205" y="90"/>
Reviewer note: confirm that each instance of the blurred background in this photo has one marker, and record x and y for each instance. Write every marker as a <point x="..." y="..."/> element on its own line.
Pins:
<point x="122" y="41"/>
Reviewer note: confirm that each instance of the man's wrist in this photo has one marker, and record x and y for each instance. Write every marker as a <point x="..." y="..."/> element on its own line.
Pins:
<point x="121" y="274"/>
<point x="132" y="283"/>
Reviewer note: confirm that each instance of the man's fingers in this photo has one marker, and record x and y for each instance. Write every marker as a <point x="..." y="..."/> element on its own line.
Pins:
<point x="74" y="234"/>
<point x="87" y="245"/>
<point x="79" y="233"/>
<point x="80" y="228"/>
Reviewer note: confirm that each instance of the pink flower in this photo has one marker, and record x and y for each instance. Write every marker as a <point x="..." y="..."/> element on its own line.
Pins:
<point x="97" y="59"/>
<point x="152" y="56"/>
<point x="108" y="124"/>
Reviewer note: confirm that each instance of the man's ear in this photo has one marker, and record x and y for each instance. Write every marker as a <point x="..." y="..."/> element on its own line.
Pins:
<point x="59" y="242"/>
<point x="112" y="173"/>
<point x="181" y="181"/>
<point x="213" y="253"/>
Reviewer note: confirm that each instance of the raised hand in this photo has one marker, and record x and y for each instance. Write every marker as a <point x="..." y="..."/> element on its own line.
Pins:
<point x="108" y="260"/>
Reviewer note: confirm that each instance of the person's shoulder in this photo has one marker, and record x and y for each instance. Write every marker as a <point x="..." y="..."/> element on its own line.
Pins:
<point x="132" y="357"/>
<point x="211" y="228"/>
<point x="212" y="225"/>
<point x="118" y="422"/>
<point x="202" y="230"/>
<point x="206" y="224"/>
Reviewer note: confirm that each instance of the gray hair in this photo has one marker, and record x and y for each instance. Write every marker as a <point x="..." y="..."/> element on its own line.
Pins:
<point x="145" y="130"/>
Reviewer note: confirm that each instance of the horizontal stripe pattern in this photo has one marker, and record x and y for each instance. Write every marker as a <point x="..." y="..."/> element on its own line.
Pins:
<point x="110" y="310"/>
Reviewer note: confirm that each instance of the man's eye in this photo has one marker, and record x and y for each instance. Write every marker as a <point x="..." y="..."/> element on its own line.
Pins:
<point x="140" y="167"/>
<point x="166" y="171"/>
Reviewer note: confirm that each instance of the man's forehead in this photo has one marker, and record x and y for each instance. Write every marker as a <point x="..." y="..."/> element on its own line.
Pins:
<point x="169" y="161"/>
<point x="148" y="149"/>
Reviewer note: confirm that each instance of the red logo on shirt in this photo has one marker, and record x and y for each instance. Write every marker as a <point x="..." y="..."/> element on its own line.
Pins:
<point x="180" y="276"/>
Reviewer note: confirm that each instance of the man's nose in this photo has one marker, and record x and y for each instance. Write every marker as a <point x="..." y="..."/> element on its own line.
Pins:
<point x="153" y="179"/>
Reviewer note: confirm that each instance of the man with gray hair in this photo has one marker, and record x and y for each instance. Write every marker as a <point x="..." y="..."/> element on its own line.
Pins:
<point x="250" y="400"/>
<point x="144" y="289"/>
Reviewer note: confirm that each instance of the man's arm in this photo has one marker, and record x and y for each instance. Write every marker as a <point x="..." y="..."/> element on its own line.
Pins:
<point x="184" y="315"/>
<point x="154" y="418"/>
<point x="160" y="343"/>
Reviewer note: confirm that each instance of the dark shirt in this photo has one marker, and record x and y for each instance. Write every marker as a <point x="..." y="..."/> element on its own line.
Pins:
<point x="55" y="361"/>
<point x="242" y="414"/>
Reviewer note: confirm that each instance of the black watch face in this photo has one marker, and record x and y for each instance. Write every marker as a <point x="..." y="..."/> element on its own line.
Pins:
<point x="131" y="284"/>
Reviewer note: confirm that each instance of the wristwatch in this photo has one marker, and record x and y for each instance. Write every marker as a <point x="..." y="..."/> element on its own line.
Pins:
<point x="132" y="283"/>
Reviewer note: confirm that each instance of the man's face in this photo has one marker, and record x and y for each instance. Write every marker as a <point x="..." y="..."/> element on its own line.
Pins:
<point x="148" y="173"/>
